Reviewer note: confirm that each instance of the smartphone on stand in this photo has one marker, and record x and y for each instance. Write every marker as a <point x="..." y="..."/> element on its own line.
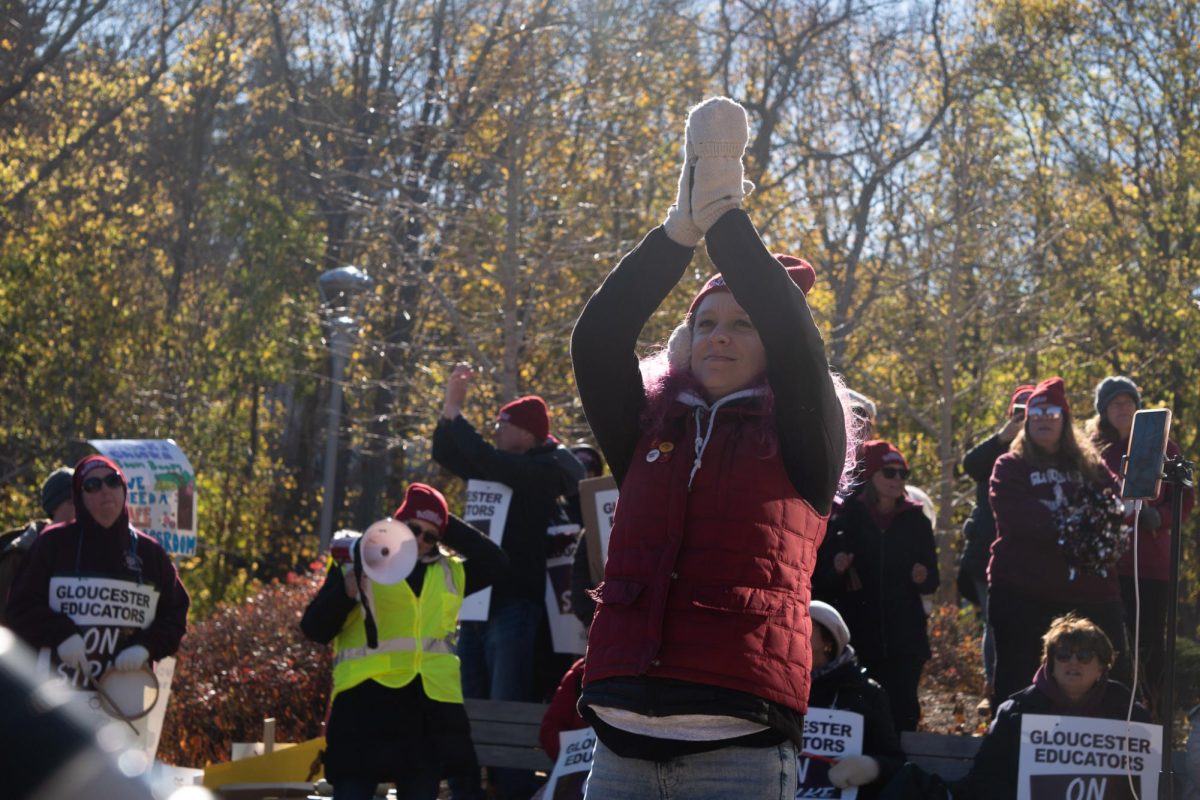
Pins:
<point x="1143" y="465"/>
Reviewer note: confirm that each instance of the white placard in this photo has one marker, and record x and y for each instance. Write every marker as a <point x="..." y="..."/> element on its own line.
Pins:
<point x="161" y="491"/>
<point x="1063" y="758"/>
<point x="566" y="631"/>
<point x="107" y="611"/>
<point x="606" y="509"/>
<point x="574" y="762"/>
<point x="829" y="735"/>
<point x="487" y="509"/>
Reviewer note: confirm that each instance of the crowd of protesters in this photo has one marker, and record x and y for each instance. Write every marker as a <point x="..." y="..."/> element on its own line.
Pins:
<point x="767" y="553"/>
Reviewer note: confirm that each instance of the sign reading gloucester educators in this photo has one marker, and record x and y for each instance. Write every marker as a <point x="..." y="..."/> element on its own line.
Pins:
<point x="574" y="763"/>
<point x="1080" y="758"/>
<point x="161" y="492"/>
<point x="829" y="735"/>
<point x="486" y="509"/>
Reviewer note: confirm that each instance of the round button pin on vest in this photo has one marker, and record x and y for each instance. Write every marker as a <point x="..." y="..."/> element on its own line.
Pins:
<point x="652" y="456"/>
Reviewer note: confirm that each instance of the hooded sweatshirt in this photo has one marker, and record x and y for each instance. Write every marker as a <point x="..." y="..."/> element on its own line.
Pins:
<point x="115" y="586"/>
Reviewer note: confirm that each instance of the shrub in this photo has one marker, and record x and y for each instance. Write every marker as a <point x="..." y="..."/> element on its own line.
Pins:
<point x="243" y="664"/>
<point x="955" y="637"/>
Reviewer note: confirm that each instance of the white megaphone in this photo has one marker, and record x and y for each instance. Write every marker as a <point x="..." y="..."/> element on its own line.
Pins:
<point x="388" y="550"/>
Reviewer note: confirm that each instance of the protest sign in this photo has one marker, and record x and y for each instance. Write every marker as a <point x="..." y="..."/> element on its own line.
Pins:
<point x="566" y="631"/>
<point x="598" y="502"/>
<point x="1081" y="758"/>
<point x="829" y="735"/>
<point x="161" y="489"/>
<point x="573" y="765"/>
<point x="486" y="509"/>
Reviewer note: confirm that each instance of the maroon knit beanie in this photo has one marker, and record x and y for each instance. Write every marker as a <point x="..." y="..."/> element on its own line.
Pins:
<point x="425" y="503"/>
<point x="799" y="270"/>
<point x="1024" y="390"/>
<point x="1050" y="392"/>
<point x="528" y="413"/>
<point x="877" y="454"/>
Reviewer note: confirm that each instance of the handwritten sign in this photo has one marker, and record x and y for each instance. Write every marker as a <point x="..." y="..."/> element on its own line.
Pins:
<point x="829" y="735"/>
<point x="1081" y="758"/>
<point x="161" y="490"/>
<point x="486" y="509"/>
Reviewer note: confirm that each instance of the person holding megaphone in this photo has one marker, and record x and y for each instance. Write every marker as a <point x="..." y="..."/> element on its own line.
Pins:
<point x="389" y="606"/>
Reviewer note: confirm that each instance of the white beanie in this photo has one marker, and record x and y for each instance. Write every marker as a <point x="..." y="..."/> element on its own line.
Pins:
<point x="829" y="618"/>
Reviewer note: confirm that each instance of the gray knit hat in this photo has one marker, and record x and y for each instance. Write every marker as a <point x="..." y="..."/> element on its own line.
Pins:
<point x="57" y="489"/>
<point x="829" y="618"/>
<point x="1112" y="386"/>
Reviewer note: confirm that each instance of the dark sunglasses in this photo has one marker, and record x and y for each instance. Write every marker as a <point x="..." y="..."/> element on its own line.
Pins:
<point x="92" y="485"/>
<point x="1049" y="412"/>
<point x="894" y="472"/>
<point x="427" y="537"/>
<point x="1082" y="655"/>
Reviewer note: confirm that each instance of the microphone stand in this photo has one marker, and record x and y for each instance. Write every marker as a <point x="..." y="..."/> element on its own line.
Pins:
<point x="1178" y="472"/>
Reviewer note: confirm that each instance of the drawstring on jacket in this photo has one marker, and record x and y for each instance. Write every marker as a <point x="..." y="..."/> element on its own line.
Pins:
<point x="702" y="441"/>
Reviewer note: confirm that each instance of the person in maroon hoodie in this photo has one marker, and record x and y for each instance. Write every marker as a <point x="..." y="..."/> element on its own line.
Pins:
<point x="1029" y="580"/>
<point x="728" y="449"/>
<point x="97" y="592"/>
<point x="1117" y="399"/>
<point x="877" y="560"/>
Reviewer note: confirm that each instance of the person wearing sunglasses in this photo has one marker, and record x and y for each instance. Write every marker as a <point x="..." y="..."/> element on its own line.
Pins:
<point x="396" y="711"/>
<point x="95" y="591"/>
<point x="1117" y="399"/>
<point x="1071" y="680"/>
<point x="877" y="559"/>
<point x="1030" y="582"/>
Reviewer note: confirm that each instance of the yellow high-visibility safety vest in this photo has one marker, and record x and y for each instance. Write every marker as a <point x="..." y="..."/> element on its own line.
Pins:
<point x="416" y="635"/>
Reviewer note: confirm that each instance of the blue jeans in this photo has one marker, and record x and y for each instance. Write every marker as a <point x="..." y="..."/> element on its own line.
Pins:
<point x="761" y="773"/>
<point x="989" y="638"/>
<point x="496" y="659"/>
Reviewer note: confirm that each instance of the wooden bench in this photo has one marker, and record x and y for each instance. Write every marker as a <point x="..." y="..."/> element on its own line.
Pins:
<point x="506" y="735"/>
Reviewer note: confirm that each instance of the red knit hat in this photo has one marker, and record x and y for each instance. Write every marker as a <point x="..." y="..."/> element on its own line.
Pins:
<point x="1050" y="392"/>
<point x="799" y="270"/>
<point x="877" y="454"/>
<point x="425" y="503"/>
<point x="528" y="413"/>
<point x="1025" y="389"/>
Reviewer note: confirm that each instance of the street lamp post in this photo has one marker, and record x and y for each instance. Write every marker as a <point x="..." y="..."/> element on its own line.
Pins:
<point x="339" y="289"/>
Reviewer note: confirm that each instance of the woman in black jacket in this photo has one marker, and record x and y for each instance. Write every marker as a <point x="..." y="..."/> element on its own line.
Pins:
<point x="877" y="559"/>
<point x="1072" y="681"/>
<point x="838" y="681"/>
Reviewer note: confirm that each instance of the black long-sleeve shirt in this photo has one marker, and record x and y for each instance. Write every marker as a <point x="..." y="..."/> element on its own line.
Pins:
<point x="537" y="478"/>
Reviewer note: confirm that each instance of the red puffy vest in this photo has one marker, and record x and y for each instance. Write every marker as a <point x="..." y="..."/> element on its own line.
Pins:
<point x="709" y="585"/>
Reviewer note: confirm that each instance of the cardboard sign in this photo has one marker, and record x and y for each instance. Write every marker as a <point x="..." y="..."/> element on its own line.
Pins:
<point x="161" y="491"/>
<point x="566" y="631"/>
<point x="1081" y="758"/>
<point x="573" y="765"/>
<point x="829" y="734"/>
<point x="487" y="509"/>
<point x="598" y="502"/>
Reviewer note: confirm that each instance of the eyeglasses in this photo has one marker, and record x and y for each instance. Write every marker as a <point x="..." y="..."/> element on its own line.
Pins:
<point x="894" y="472"/>
<point x="426" y="536"/>
<point x="1049" y="412"/>
<point x="112" y="480"/>
<point x="1082" y="655"/>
